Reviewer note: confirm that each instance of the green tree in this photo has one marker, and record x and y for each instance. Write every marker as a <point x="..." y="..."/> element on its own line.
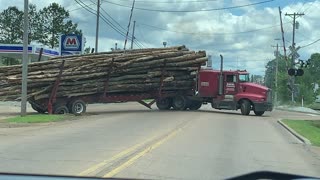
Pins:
<point x="7" y="61"/>
<point x="305" y="84"/>
<point x="11" y="30"/>
<point x="305" y="87"/>
<point x="11" y="25"/>
<point x="314" y="67"/>
<point x="282" y="85"/>
<point x="34" y="24"/>
<point x="54" y="21"/>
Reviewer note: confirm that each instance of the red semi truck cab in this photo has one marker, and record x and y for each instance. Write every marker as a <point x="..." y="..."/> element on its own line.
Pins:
<point x="233" y="90"/>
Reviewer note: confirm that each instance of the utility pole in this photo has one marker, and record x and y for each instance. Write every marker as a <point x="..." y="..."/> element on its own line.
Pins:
<point x="25" y="59"/>
<point x="97" y="26"/>
<point x="125" y="41"/>
<point x="282" y="34"/>
<point x="294" y="16"/>
<point x="276" y="80"/>
<point x="132" y="39"/>
<point x="276" y="73"/>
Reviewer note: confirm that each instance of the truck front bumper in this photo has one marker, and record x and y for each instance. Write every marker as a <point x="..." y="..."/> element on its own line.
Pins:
<point x="262" y="106"/>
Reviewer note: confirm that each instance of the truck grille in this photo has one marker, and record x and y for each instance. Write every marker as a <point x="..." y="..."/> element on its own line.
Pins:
<point x="269" y="96"/>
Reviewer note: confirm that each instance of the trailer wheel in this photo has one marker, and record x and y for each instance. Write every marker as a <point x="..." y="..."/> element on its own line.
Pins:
<point x="164" y="103"/>
<point x="180" y="103"/>
<point x="39" y="110"/>
<point x="258" y="113"/>
<point x="60" y="109"/>
<point x="195" y="105"/>
<point x="245" y="107"/>
<point x="77" y="107"/>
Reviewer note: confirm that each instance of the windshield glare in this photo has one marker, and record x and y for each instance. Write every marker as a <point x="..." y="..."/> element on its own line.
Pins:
<point x="244" y="78"/>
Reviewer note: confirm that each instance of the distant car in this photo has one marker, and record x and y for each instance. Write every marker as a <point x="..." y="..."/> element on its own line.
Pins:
<point x="317" y="99"/>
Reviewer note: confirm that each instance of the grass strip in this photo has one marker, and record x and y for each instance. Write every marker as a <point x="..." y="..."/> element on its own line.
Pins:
<point x="307" y="128"/>
<point x="36" y="118"/>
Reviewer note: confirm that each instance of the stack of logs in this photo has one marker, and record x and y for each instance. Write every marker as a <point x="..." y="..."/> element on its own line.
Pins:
<point x="128" y="71"/>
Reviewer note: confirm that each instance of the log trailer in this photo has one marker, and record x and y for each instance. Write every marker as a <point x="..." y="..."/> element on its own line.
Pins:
<point x="228" y="90"/>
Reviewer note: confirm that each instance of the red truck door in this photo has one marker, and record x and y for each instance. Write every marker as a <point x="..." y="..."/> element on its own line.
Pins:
<point x="230" y="84"/>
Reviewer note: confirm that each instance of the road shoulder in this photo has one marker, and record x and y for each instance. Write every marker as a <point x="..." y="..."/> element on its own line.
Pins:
<point x="293" y="132"/>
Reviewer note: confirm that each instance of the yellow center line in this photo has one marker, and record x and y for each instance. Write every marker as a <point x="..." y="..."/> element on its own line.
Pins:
<point x="140" y="154"/>
<point x="119" y="155"/>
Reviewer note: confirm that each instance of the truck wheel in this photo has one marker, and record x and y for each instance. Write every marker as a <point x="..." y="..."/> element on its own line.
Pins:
<point x="36" y="108"/>
<point x="180" y="103"/>
<point x="60" y="109"/>
<point x="164" y="103"/>
<point x="245" y="107"/>
<point x="77" y="107"/>
<point x="195" y="105"/>
<point x="258" y="113"/>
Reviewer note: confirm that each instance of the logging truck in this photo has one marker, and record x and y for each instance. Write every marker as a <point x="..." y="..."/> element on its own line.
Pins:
<point x="228" y="90"/>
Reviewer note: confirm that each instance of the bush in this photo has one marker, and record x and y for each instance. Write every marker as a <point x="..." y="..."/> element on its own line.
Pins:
<point x="315" y="106"/>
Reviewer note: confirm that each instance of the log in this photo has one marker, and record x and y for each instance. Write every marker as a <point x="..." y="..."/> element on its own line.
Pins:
<point x="125" y="71"/>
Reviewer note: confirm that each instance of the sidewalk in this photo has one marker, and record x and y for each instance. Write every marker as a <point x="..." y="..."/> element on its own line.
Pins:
<point x="10" y="109"/>
<point x="298" y="109"/>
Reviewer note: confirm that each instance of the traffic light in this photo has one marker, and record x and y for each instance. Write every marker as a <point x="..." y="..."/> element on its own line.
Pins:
<point x="300" y="72"/>
<point x="295" y="72"/>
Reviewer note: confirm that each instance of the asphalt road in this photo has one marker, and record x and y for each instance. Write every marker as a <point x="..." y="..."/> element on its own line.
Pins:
<point x="127" y="140"/>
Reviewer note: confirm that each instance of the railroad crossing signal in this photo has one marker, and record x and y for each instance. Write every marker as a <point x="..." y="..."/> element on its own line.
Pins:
<point x="295" y="72"/>
<point x="294" y="52"/>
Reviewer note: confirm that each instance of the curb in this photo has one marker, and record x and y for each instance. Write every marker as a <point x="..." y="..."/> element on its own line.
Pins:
<point x="293" y="132"/>
<point x="290" y="110"/>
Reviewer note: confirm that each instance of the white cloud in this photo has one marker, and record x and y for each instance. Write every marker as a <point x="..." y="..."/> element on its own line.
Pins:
<point x="249" y="51"/>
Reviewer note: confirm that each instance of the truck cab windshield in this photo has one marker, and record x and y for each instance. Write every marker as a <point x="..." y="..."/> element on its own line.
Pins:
<point x="244" y="78"/>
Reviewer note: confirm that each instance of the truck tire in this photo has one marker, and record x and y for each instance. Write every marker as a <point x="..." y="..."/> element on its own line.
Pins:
<point x="60" y="109"/>
<point x="164" y="103"/>
<point x="180" y="103"/>
<point x="77" y="107"/>
<point x="195" y="105"/>
<point x="258" y="113"/>
<point x="245" y="107"/>
<point x="36" y="108"/>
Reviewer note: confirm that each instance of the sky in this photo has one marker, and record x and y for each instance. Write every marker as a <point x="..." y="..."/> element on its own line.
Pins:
<point x="243" y="31"/>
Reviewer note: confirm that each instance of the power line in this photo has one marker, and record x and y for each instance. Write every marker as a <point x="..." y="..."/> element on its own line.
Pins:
<point x="137" y="41"/>
<point x="310" y="43"/>
<point x="93" y="3"/>
<point x="208" y="34"/>
<point x="113" y="19"/>
<point x="141" y="34"/>
<point x="310" y="5"/>
<point x="92" y="11"/>
<point x="184" y="11"/>
<point x="170" y="2"/>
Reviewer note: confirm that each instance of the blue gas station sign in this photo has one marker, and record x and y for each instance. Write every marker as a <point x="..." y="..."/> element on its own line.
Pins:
<point x="71" y="44"/>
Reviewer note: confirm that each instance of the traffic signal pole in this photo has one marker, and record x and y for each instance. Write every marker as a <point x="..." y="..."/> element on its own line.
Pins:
<point x="294" y="16"/>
